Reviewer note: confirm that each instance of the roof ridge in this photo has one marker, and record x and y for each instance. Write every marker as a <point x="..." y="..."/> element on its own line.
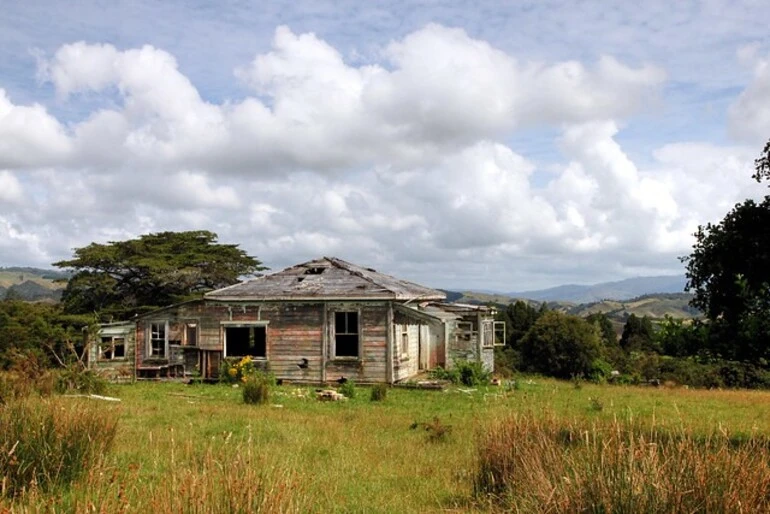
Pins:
<point x="348" y="266"/>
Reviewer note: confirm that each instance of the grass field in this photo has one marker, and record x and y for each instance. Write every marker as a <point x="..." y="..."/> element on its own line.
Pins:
<point x="177" y="444"/>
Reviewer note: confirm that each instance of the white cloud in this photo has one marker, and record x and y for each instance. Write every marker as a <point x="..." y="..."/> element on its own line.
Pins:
<point x="750" y="114"/>
<point x="10" y="189"/>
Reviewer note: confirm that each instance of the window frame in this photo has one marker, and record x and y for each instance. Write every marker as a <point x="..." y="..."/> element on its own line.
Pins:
<point x="333" y="333"/>
<point x="151" y="339"/>
<point x="103" y="348"/>
<point x="244" y="324"/>
<point x="405" y="340"/>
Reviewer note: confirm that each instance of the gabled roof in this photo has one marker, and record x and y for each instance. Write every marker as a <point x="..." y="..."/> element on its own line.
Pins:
<point x="327" y="278"/>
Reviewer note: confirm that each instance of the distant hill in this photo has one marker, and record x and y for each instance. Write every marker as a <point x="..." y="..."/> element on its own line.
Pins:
<point x="32" y="284"/>
<point x="619" y="290"/>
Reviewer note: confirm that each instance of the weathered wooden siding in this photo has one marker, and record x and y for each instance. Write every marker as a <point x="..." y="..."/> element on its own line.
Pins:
<point x="371" y="366"/>
<point x="298" y="336"/>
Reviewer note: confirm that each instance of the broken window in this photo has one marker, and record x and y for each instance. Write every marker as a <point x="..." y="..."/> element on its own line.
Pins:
<point x="112" y="348"/>
<point x="158" y="340"/>
<point x="346" y="334"/>
<point x="246" y="341"/>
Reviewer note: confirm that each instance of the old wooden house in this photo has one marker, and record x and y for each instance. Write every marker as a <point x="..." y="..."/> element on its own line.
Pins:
<point x="315" y="322"/>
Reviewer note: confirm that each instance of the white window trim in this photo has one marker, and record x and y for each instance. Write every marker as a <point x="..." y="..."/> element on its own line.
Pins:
<point x="404" y="353"/>
<point x="165" y="339"/>
<point x="242" y="324"/>
<point x="333" y="334"/>
<point x="101" y="356"/>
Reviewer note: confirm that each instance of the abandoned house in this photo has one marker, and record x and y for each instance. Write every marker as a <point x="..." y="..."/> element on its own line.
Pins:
<point x="315" y="322"/>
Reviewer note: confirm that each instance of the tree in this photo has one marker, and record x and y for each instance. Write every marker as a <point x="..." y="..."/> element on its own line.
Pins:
<point x="125" y="277"/>
<point x="729" y="273"/>
<point x="561" y="345"/>
<point x="638" y="335"/>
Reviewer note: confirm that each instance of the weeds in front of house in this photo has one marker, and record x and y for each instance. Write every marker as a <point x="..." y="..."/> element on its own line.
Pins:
<point x="348" y="389"/>
<point x="256" y="388"/>
<point x="467" y="373"/>
<point x="379" y="393"/>
<point x="528" y="463"/>
<point x="49" y="442"/>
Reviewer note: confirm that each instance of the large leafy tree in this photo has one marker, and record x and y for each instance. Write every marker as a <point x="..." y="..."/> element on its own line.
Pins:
<point x="121" y="278"/>
<point x="729" y="273"/>
<point x="561" y="345"/>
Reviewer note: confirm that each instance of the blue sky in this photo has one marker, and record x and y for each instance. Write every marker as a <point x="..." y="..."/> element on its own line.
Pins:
<point x="496" y="145"/>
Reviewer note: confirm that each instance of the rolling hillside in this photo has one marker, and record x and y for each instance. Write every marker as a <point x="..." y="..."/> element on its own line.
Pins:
<point x="31" y="284"/>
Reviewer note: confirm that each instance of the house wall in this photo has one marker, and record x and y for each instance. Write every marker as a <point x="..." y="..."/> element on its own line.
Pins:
<point x="299" y="336"/>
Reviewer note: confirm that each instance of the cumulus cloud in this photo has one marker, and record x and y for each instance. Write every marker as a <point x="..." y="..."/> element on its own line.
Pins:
<point x="749" y="115"/>
<point x="404" y="163"/>
<point x="438" y="88"/>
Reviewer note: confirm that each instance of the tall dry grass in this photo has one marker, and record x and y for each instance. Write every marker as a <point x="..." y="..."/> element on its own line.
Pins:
<point x="224" y="474"/>
<point x="50" y="442"/>
<point x="529" y="463"/>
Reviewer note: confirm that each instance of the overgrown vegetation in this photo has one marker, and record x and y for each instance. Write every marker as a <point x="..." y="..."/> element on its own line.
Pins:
<point x="379" y="393"/>
<point x="529" y="463"/>
<point x="46" y="443"/>
<point x="256" y="389"/>
<point x="467" y="373"/>
<point x="348" y="389"/>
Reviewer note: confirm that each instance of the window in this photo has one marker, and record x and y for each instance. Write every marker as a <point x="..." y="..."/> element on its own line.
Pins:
<point x="158" y="340"/>
<point x="346" y="334"/>
<point x="191" y="334"/>
<point x="404" y="340"/>
<point x="246" y="341"/>
<point x="112" y="348"/>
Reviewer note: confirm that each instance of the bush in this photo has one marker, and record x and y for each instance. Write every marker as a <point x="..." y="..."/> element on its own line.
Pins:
<point x="379" y="393"/>
<point x="46" y="443"/>
<point x="84" y="381"/>
<point x="256" y="389"/>
<point x="472" y="373"/>
<point x="348" y="389"/>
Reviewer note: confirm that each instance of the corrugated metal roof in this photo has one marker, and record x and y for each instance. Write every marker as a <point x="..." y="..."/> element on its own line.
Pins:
<point x="326" y="278"/>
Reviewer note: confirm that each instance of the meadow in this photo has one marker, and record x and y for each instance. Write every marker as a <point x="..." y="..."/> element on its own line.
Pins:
<point x="199" y="448"/>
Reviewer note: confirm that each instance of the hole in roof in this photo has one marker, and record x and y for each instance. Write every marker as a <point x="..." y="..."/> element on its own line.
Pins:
<point x="300" y="279"/>
<point x="314" y="270"/>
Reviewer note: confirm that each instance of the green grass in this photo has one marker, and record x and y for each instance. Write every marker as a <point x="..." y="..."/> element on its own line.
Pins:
<point x="302" y="455"/>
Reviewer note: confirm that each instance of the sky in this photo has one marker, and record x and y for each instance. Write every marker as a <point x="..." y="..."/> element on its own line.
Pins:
<point x="496" y="145"/>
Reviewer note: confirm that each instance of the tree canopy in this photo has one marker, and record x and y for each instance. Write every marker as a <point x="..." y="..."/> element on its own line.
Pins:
<point x="561" y="345"/>
<point x="121" y="278"/>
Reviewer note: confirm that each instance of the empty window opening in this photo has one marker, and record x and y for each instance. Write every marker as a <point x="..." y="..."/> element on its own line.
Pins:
<point x="246" y="341"/>
<point x="346" y="334"/>
<point x="300" y="279"/>
<point x="158" y="340"/>
<point x="191" y="334"/>
<point x="113" y="348"/>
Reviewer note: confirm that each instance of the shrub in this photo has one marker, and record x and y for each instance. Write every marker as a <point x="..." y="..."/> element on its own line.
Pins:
<point x="472" y="373"/>
<point x="75" y="379"/>
<point x="348" y="389"/>
<point x="256" y="389"/>
<point x="46" y="443"/>
<point x="537" y="464"/>
<point x="379" y="393"/>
